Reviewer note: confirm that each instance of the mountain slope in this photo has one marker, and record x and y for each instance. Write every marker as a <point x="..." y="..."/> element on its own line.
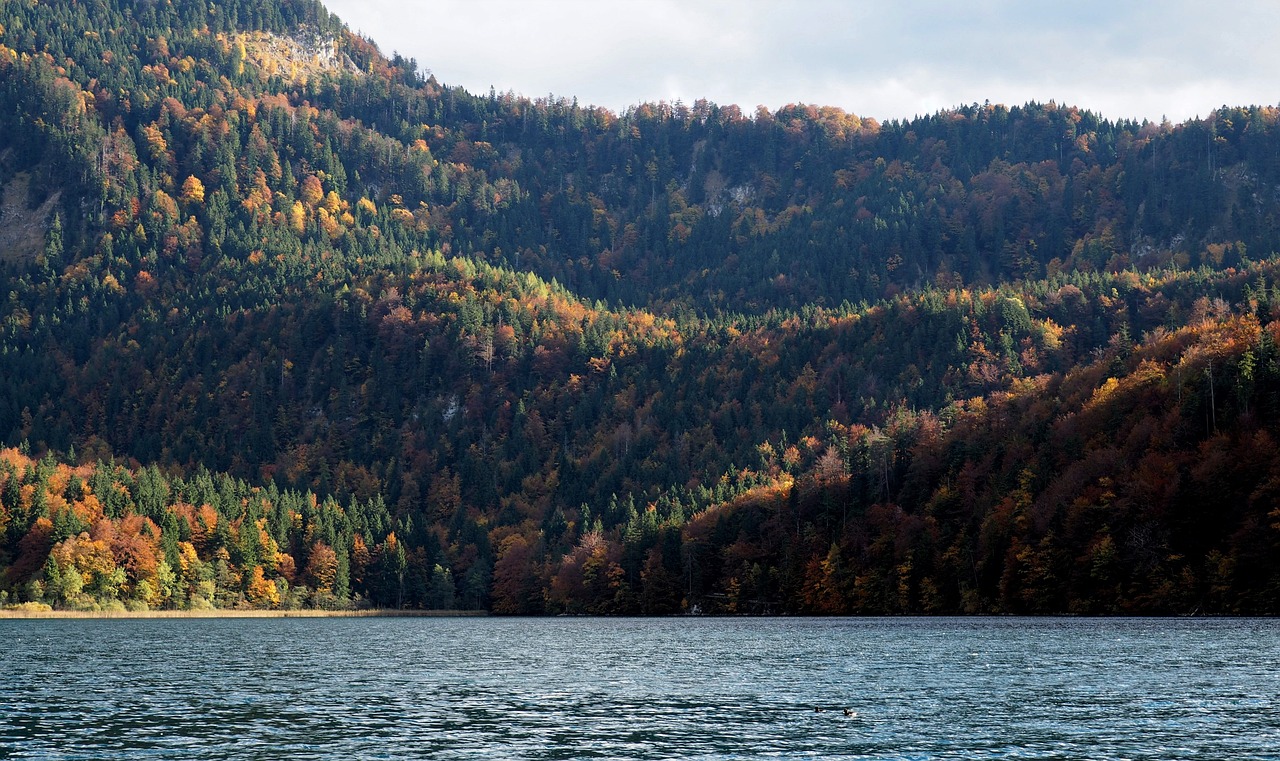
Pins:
<point x="546" y="337"/>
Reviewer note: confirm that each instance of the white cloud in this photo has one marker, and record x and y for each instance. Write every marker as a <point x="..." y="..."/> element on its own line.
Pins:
<point x="888" y="60"/>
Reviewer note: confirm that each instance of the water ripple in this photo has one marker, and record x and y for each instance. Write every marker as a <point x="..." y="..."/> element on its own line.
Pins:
<point x="636" y="688"/>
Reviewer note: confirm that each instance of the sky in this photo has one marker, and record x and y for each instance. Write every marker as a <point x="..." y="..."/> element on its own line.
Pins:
<point x="1174" y="59"/>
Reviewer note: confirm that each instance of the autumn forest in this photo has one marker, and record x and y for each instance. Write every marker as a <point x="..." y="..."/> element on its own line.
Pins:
<point x="287" y="324"/>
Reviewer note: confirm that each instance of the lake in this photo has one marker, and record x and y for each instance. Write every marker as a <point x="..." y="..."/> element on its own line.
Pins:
<point x="567" y="688"/>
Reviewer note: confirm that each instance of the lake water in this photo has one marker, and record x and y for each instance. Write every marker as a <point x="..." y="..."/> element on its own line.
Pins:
<point x="640" y="688"/>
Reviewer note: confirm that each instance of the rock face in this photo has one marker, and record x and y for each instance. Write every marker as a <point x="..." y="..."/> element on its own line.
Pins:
<point x="22" y="228"/>
<point x="292" y="57"/>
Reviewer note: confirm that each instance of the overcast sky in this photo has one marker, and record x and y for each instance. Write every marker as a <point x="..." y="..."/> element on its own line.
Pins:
<point x="897" y="59"/>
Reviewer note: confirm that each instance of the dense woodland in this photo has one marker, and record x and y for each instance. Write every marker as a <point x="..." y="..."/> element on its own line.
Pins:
<point x="288" y="324"/>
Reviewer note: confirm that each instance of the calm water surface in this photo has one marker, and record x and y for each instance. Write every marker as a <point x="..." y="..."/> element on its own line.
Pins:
<point x="634" y="688"/>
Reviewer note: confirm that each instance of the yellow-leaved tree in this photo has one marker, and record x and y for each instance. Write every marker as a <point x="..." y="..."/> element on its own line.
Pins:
<point x="192" y="190"/>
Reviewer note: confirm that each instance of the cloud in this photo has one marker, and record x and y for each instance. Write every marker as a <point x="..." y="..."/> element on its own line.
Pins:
<point x="887" y="60"/>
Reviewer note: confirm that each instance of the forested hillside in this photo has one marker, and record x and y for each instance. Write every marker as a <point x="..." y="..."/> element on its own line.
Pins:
<point x="275" y="297"/>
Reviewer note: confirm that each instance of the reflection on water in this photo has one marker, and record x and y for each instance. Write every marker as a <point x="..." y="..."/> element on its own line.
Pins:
<point x="640" y="688"/>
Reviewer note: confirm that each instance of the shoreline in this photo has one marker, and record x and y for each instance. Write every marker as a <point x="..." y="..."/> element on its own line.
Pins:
<point x="149" y="614"/>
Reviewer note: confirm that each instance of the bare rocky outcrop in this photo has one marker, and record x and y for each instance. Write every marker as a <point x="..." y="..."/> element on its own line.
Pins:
<point x="22" y="228"/>
<point x="295" y="56"/>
